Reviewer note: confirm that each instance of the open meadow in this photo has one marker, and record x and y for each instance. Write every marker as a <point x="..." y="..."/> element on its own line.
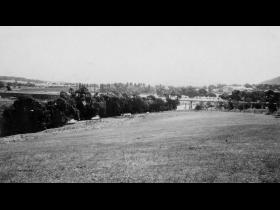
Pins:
<point x="157" y="147"/>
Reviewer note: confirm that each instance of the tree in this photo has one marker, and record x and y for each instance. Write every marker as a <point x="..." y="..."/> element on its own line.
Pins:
<point x="71" y="91"/>
<point x="25" y="115"/>
<point x="64" y="95"/>
<point x="211" y="88"/>
<point x="225" y="96"/>
<point x="211" y="94"/>
<point x="83" y="101"/>
<point x="9" y="87"/>
<point x="236" y="95"/>
<point x="202" y="92"/>
<point x="2" y="84"/>
<point x="273" y="100"/>
<point x="209" y="104"/>
<point x="198" y="107"/>
<point x="172" y="104"/>
<point x="248" y="85"/>
<point x="160" y="90"/>
<point x="189" y="91"/>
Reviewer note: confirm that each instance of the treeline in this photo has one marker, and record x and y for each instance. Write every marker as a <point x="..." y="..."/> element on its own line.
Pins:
<point x="9" y="85"/>
<point x="187" y="91"/>
<point x="160" y="90"/>
<point x="137" y="89"/>
<point x="20" y="79"/>
<point x="253" y="99"/>
<point x="2" y="84"/>
<point x="30" y="115"/>
<point x="264" y="87"/>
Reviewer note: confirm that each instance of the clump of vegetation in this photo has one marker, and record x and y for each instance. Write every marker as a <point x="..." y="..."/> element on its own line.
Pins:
<point x="198" y="107"/>
<point x="25" y="115"/>
<point x="2" y="84"/>
<point x="8" y="87"/>
<point x="243" y="100"/>
<point x="29" y="115"/>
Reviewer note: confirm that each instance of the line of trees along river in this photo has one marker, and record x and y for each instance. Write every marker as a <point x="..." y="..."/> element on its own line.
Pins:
<point x="253" y="99"/>
<point x="30" y="115"/>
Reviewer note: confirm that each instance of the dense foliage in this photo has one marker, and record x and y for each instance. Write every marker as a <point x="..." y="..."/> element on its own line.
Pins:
<point x="2" y="84"/>
<point x="253" y="99"/>
<point x="29" y="115"/>
<point x="160" y="90"/>
<point x="25" y="115"/>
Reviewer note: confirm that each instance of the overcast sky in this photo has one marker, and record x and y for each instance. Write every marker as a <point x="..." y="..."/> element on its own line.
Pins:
<point x="154" y="55"/>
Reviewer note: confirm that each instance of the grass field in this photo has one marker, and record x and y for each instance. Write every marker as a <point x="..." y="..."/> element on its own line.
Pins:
<point x="157" y="147"/>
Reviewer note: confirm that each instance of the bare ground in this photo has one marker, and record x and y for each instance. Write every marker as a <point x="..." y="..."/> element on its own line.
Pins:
<point x="156" y="147"/>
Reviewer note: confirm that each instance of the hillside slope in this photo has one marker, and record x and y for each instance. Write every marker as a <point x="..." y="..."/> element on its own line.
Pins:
<point x="274" y="81"/>
<point x="3" y="78"/>
<point x="156" y="147"/>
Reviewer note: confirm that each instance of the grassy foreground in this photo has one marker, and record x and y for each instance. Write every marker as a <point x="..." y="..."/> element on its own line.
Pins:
<point x="157" y="147"/>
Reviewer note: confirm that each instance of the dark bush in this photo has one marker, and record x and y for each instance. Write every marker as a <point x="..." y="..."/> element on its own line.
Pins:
<point x="198" y="107"/>
<point x="25" y="115"/>
<point x="113" y="106"/>
<point x="172" y="104"/>
<point x="60" y="111"/>
<point x="126" y="104"/>
<point x="138" y="105"/>
<point x="8" y="87"/>
<point x="2" y="84"/>
<point x="29" y="115"/>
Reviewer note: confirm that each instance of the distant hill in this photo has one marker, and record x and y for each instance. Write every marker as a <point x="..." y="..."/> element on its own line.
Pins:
<point x="275" y="81"/>
<point x="3" y="78"/>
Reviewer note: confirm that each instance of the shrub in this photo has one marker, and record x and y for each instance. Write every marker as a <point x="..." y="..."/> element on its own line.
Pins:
<point x="29" y="115"/>
<point x="25" y="115"/>
<point x="198" y="107"/>
<point x="138" y="105"/>
<point x="2" y="84"/>
<point x="113" y="106"/>
<point x="60" y="111"/>
<point x="8" y="87"/>
<point x="172" y="104"/>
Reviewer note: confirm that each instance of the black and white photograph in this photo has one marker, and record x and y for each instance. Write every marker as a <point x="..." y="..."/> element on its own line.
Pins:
<point x="139" y="104"/>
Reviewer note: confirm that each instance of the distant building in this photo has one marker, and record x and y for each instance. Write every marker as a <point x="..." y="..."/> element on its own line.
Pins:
<point x="187" y="103"/>
<point x="145" y="95"/>
<point x="173" y="97"/>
